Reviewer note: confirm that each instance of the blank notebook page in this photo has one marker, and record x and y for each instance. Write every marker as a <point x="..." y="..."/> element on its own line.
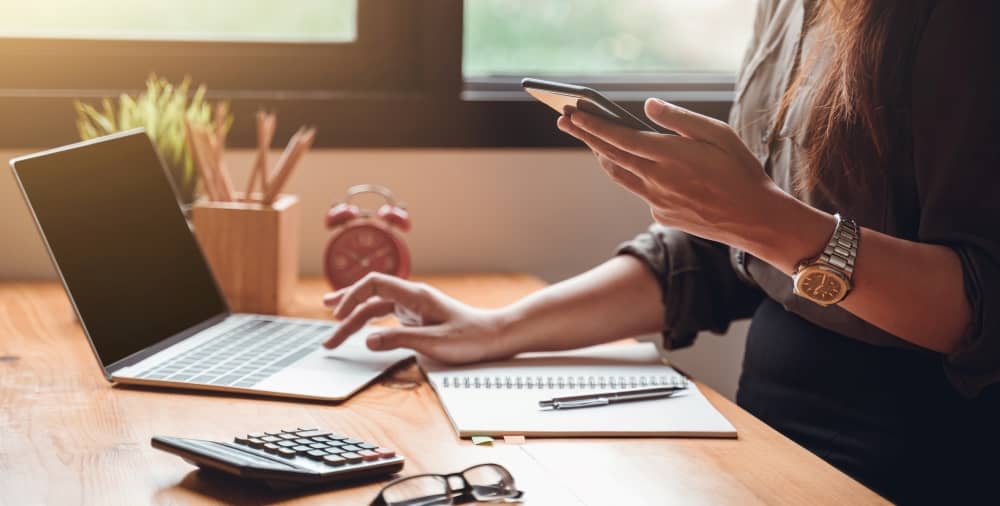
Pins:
<point x="501" y="398"/>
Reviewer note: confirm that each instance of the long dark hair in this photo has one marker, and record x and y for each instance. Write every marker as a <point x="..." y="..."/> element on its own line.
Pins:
<point x="862" y="96"/>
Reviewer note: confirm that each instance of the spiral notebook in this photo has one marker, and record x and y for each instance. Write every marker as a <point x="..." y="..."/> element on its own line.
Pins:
<point x="501" y="398"/>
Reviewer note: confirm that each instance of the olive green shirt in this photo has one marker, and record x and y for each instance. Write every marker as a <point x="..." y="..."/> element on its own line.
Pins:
<point x="942" y="184"/>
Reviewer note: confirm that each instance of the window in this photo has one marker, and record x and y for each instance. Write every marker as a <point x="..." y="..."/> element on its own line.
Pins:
<point x="367" y="72"/>
<point x="205" y="20"/>
<point x="597" y="37"/>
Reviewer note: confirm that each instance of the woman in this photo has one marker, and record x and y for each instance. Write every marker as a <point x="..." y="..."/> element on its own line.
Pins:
<point x="876" y="347"/>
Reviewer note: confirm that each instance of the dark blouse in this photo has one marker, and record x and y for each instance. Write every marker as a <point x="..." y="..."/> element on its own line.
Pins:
<point x="943" y="184"/>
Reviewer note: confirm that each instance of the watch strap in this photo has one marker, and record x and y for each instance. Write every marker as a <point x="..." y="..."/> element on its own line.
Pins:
<point x="842" y="250"/>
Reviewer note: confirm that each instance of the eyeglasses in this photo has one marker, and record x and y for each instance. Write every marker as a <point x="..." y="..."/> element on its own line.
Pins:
<point x="483" y="482"/>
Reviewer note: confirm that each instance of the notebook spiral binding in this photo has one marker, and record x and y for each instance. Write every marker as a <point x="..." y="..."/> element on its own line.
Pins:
<point x="566" y="382"/>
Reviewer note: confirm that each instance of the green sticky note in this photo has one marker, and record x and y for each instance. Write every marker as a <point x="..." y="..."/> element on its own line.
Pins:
<point x="482" y="440"/>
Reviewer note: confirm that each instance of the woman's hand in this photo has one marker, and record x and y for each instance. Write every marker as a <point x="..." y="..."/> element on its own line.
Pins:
<point x="704" y="180"/>
<point x="432" y="323"/>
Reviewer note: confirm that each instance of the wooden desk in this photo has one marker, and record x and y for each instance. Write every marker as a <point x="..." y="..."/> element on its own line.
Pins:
<point x="67" y="437"/>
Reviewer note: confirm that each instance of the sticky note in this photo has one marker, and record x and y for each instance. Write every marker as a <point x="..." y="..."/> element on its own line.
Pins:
<point x="482" y="440"/>
<point x="514" y="440"/>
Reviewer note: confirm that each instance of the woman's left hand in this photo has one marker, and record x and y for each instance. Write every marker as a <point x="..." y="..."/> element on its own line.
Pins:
<point x="704" y="180"/>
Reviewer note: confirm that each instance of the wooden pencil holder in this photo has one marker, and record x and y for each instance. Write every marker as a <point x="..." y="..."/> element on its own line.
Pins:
<point x="253" y="250"/>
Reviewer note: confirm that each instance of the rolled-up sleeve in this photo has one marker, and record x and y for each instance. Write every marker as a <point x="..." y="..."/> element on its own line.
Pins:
<point x="956" y="127"/>
<point x="699" y="288"/>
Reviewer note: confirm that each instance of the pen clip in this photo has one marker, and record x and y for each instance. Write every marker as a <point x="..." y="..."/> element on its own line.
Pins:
<point x="581" y="403"/>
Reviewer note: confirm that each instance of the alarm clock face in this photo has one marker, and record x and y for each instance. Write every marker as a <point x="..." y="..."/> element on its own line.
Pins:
<point x="362" y="248"/>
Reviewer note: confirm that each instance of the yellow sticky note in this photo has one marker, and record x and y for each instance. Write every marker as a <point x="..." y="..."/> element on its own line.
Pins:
<point x="482" y="440"/>
<point x="514" y="440"/>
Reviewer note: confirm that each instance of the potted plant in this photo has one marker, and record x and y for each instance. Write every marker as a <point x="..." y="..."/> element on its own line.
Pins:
<point x="162" y="109"/>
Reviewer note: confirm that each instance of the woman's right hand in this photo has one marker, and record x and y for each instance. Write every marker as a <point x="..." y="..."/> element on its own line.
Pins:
<point x="432" y="323"/>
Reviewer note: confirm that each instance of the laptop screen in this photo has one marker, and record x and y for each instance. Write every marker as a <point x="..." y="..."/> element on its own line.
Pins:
<point x="118" y="237"/>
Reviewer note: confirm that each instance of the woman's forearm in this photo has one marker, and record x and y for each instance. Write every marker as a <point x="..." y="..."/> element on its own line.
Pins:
<point x="912" y="290"/>
<point x="617" y="299"/>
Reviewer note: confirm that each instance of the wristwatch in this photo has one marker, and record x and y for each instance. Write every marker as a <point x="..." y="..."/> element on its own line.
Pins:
<point x="826" y="279"/>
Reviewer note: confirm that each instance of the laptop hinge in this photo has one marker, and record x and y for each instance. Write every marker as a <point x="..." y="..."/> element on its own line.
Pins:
<point x="149" y="351"/>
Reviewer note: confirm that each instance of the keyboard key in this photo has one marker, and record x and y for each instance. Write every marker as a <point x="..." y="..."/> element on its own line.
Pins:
<point x="271" y="447"/>
<point x="286" y="444"/>
<point x="311" y="433"/>
<point x="316" y="454"/>
<point x="351" y="457"/>
<point x="303" y="441"/>
<point x="350" y="448"/>
<point x="271" y="439"/>
<point x="385" y="453"/>
<point x="288" y="436"/>
<point x="307" y="429"/>
<point x="301" y="448"/>
<point x="255" y="435"/>
<point x="241" y="440"/>
<point x="319" y="446"/>
<point x="286" y="452"/>
<point x="350" y="441"/>
<point x="368" y="455"/>
<point x="256" y="443"/>
<point x="334" y="460"/>
<point x="366" y="446"/>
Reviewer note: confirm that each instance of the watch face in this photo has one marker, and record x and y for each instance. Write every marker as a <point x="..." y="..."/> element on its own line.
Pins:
<point x="820" y="285"/>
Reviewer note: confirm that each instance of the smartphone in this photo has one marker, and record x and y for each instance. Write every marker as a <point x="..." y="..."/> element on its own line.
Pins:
<point x="561" y="95"/>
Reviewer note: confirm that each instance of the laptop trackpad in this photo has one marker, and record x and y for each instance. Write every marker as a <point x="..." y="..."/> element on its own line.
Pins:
<point x="334" y="374"/>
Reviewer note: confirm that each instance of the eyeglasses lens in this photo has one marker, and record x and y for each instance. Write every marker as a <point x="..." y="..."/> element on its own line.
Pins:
<point x="418" y="491"/>
<point x="490" y="482"/>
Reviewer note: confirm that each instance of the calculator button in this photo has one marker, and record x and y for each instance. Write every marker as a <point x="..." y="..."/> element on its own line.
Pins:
<point x="301" y="449"/>
<point x="316" y="454"/>
<point x="270" y="439"/>
<point x="255" y="435"/>
<point x="385" y="453"/>
<point x="286" y="444"/>
<point x="334" y="460"/>
<point x="288" y="436"/>
<point x="301" y="429"/>
<point x="256" y="443"/>
<point x="286" y="452"/>
<point x="272" y="433"/>
<point x="366" y="446"/>
<point x="351" y="457"/>
<point x="241" y="440"/>
<point x="350" y="441"/>
<point x="311" y="433"/>
<point x="319" y="446"/>
<point x="368" y="455"/>
<point x="350" y="448"/>
<point x="271" y="447"/>
<point x="303" y="441"/>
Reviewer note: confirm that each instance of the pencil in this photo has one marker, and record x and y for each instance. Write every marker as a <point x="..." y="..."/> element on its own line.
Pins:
<point x="219" y="165"/>
<point x="297" y="146"/>
<point x="265" y="135"/>
<point x="207" y="179"/>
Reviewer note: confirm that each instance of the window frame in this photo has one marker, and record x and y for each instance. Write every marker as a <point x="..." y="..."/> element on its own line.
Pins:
<point x="398" y="85"/>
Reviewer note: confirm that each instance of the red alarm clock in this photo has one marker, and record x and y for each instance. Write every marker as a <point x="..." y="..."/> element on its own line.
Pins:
<point x="364" y="241"/>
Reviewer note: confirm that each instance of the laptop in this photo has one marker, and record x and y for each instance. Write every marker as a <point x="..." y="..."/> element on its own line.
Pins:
<point x="145" y="296"/>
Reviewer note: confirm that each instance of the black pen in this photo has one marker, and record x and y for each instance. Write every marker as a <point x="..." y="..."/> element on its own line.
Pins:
<point x="606" y="398"/>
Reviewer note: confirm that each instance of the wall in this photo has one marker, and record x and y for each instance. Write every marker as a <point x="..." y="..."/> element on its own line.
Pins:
<point x="548" y="212"/>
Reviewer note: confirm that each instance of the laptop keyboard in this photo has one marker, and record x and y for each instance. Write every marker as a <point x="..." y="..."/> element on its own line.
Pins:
<point x="245" y="355"/>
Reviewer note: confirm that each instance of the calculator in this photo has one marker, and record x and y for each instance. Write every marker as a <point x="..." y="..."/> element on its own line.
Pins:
<point x="288" y="458"/>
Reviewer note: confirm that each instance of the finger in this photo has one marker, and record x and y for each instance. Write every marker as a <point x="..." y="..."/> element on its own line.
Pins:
<point x="622" y="176"/>
<point x="648" y="145"/>
<point x="373" y="308"/>
<point x="387" y="287"/>
<point x="688" y="123"/>
<point x="623" y="158"/>
<point x="419" y="339"/>
<point x="331" y="299"/>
